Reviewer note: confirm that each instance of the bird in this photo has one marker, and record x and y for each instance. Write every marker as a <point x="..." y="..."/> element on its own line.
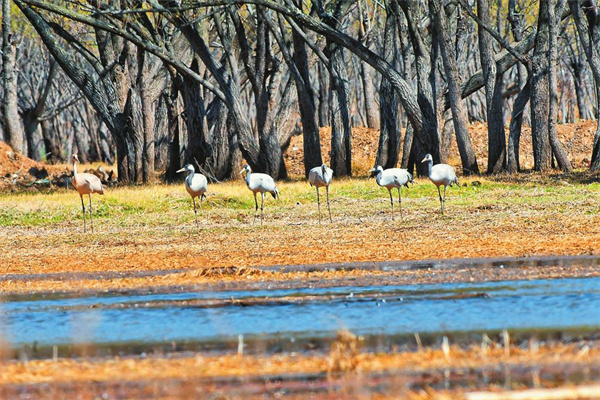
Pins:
<point x="319" y="177"/>
<point x="85" y="183"/>
<point x="262" y="183"/>
<point x="393" y="178"/>
<point x="195" y="184"/>
<point x="440" y="174"/>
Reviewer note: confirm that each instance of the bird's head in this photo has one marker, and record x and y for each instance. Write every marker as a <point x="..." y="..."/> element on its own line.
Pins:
<point x="189" y="167"/>
<point x="246" y="169"/>
<point x="324" y="167"/>
<point x="376" y="170"/>
<point x="74" y="158"/>
<point x="427" y="158"/>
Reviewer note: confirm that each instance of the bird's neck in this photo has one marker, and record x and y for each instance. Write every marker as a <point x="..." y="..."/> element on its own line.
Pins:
<point x="429" y="166"/>
<point x="247" y="178"/>
<point x="74" y="168"/>
<point x="378" y="177"/>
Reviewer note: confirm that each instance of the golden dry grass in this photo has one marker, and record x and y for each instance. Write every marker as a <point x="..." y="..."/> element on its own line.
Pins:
<point x="152" y="228"/>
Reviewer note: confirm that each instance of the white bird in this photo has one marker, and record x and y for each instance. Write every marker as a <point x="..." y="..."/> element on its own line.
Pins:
<point x="85" y="183"/>
<point x="319" y="177"/>
<point x="440" y="174"/>
<point x="393" y="178"/>
<point x="195" y="184"/>
<point x="262" y="183"/>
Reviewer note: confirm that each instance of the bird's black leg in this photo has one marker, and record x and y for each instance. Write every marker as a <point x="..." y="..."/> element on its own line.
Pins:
<point x="195" y="210"/>
<point x="400" y="201"/>
<point x="441" y="201"/>
<point x="319" y="204"/>
<point x="262" y="201"/>
<point x="83" y="212"/>
<point x="444" y="203"/>
<point x="392" y="202"/>
<point x="91" y="219"/>
<point x="328" y="208"/>
<point x="255" y="207"/>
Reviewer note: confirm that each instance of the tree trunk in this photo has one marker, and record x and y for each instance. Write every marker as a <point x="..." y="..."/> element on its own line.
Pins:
<point x="516" y="121"/>
<point x="13" y="132"/>
<point x="426" y="135"/>
<point x="389" y="136"/>
<point x="559" y="152"/>
<point x="341" y="155"/>
<point x="589" y="34"/>
<point x="306" y="103"/>
<point x="540" y="92"/>
<point x="459" y="115"/>
<point x="322" y="94"/>
<point x="493" y="95"/>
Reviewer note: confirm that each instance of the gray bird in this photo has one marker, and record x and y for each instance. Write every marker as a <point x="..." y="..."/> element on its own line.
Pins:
<point x="196" y="185"/>
<point x="393" y="178"/>
<point x="262" y="183"/>
<point x="319" y="177"/>
<point x="440" y="174"/>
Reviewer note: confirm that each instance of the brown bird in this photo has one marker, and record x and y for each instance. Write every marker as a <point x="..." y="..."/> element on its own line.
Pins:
<point x="85" y="183"/>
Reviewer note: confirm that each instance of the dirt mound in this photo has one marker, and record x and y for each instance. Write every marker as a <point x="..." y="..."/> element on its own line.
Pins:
<point x="364" y="149"/>
<point x="577" y="139"/>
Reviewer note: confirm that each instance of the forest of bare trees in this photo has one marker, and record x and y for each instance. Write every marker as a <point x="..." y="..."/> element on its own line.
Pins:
<point x="154" y="84"/>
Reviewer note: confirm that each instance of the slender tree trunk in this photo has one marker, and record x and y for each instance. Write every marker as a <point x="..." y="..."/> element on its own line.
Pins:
<point x="389" y="137"/>
<point x="13" y="132"/>
<point x="341" y="155"/>
<point x="459" y="115"/>
<point x="542" y="154"/>
<point x="586" y="15"/>
<point x="516" y="121"/>
<point x="322" y="94"/>
<point x="493" y="95"/>
<point x="306" y="104"/>
<point x="557" y="148"/>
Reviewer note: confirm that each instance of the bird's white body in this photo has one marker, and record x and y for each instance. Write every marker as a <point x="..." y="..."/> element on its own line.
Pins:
<point x="195" y="184"/>
<point x="85" y="183"/>
<point x="321" y="177"/>
<point x="393" y="178"/>
<point x="440" y="175"/>
<point x="259" y="183"/>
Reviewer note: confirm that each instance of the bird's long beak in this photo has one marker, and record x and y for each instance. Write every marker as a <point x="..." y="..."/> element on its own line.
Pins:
<point x="181" y="170"/>
<point x="423" y="160"/>
<point x="242" y="172"/>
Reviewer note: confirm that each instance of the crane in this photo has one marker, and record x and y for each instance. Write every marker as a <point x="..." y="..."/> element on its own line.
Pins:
<point x="440" y="174"/>
<point x="262" y="183"/>
<point x="85" y="183"/>
<point x="196" y="185"/>
<point x="393" y="178"/>
<point x="319" y="177"/>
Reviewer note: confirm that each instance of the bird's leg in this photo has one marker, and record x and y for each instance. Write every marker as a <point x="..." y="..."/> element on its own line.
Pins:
<point x="391" y="202"/>
<point x="444" y="203"/>
<point x="262" y="201"/>
<point x="196" y="211"/>
<point x="255" y="207"/>
<point x="91" y="219"/>
<point x="400" y="201"/>
<point x="83" y="212"/>
<point x="328" y="208"/>
<point x="319" y="204"/>
<point x="441" y="201"/>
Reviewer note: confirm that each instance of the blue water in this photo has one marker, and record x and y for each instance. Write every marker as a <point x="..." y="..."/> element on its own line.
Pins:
<point x="557" y="303"/>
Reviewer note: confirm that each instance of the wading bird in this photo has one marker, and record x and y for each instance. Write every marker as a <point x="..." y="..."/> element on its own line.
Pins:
<point x="259" y="183"/>
<point x="85" y="183"/>
<point x="195" y="184"/>
<point x="319" y="177"/>
<point x="393" y="178"/>
<point x="440" y="174"/>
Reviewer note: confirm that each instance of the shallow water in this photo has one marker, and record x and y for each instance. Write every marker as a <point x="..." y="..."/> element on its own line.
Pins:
<point x="297" y="313"/>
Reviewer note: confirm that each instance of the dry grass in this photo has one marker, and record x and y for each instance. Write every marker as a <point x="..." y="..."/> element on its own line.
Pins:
<point x="152" y="228"/>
